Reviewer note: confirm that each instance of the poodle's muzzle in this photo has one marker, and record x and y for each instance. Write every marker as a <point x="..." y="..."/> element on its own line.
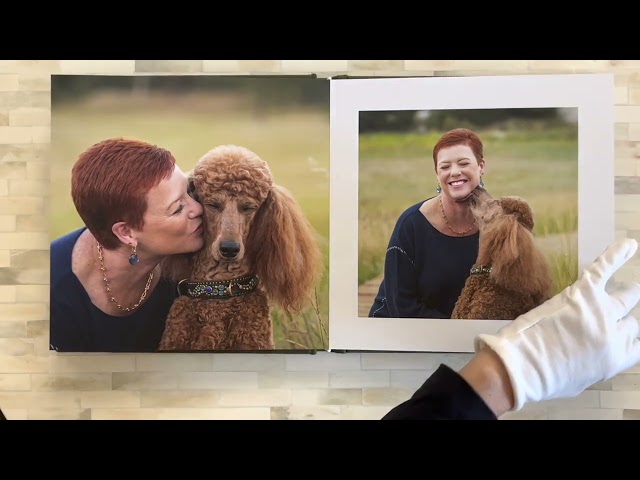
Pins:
<point x="478" y="196"/>
<point x="229" y="248"/>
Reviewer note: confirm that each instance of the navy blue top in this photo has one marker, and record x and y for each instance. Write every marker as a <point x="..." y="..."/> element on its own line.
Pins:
<point x="424" y="269"/>
<point x="77" y="325"/>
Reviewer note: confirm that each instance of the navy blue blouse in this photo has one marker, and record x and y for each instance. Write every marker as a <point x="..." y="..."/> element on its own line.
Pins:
<point x="424" y="271"/>
<point x="77" y="325"/>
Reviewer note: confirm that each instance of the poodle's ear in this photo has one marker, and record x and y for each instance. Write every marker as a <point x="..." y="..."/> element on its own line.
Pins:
<point x="516" y="261"/>
<point x="177" y="267"/>
<point x="284" y="250"/>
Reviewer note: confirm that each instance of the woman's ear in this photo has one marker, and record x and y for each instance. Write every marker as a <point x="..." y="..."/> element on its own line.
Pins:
<point x="124" y="233"/>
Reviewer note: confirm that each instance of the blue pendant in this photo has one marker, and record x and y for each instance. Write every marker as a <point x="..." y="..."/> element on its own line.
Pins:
<point x="133" y="259"/>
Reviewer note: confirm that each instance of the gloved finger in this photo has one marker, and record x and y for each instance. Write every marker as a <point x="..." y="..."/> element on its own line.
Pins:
<point x="613" y="257"/>
<point x="634" y="354"/>
<point x="629" y="327"/>
<point x="627" y="296"/>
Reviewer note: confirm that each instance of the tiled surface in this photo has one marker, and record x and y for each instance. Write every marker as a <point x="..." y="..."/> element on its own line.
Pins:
<point x="37" y="384"/>
<point x="168" y="66"/>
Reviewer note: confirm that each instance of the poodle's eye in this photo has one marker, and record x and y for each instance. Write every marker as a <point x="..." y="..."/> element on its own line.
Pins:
<point x="191" y="190"/>
<point x="247" y="208"/>
<point x="215" y="206"/>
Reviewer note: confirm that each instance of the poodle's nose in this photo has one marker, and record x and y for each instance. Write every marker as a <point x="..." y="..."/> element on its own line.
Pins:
<point x="229" y="249"/>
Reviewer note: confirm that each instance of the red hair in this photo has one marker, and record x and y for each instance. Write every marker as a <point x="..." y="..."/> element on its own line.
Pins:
<point x="459" y="136"/>
<point x="110" y="182"/>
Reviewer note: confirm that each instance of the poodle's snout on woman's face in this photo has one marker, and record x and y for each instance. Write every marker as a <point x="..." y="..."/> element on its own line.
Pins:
<point x="482" y="205"/>
<point x="478" y="201"/>
<point x="479" y="196"/>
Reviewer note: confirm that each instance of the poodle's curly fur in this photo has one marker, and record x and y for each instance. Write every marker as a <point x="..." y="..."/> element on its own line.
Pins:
<point x="519" y="279"/>
<point x="274" y="241"/>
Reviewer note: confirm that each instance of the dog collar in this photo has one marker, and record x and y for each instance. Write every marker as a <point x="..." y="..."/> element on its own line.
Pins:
<point x="218" y="289"/>
<point x="481" y="270"/>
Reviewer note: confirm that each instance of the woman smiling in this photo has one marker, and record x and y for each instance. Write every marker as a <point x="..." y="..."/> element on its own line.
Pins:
<point x="435" y="242"/>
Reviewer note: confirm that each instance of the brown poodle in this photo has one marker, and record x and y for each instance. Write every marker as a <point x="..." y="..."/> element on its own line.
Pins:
<point x="259" y="248"/>
<point x="511" y="275"/>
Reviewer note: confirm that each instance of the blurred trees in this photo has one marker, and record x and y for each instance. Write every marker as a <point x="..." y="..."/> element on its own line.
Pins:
<point x="267" y="90"/>
<point x="442" y="120"/>
<point x="280" y="91"/>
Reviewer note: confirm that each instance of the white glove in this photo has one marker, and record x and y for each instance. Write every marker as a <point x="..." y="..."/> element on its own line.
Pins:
<point x="581" y="336"/>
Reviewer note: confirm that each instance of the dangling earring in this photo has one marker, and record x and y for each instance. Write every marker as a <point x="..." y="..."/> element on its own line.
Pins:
<point x="439" y="189"/>
<point x="481" y="183"/>
<point x="133" y="258"/>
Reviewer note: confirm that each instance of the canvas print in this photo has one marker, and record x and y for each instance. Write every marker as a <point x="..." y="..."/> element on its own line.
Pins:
<point x="462" y="203"/>
<point x="189" y="214"/>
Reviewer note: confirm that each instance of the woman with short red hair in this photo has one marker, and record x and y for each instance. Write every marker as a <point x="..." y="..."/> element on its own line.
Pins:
<point x="435" y="242"/>
<point x="107" y="292"/>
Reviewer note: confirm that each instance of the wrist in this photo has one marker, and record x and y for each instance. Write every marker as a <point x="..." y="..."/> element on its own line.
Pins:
<point x="488" y="376"/>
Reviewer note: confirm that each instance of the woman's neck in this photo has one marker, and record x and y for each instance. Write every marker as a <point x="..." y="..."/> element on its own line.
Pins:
<point x="110" y="280"/>
<point x="458" y="214"/>
<point x="120" y="272"/>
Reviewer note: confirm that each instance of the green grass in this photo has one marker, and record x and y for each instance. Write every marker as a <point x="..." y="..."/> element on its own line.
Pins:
<point x="294" y="143"/>
<point x="541" y="165"/>
<point x="564" y="266"/>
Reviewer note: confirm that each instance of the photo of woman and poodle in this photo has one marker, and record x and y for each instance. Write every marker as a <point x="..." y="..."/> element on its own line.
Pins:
<point x="479" y="215"/>
<point x="189" y="213"/>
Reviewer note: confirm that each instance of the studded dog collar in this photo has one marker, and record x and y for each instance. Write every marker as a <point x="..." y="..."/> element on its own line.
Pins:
<point x="480" y="269"/>
<point x="218" y="289"/>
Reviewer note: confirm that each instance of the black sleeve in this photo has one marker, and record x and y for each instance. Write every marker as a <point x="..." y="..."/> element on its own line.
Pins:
<point x="401" y="277"/>
<point x="445" y="395"/>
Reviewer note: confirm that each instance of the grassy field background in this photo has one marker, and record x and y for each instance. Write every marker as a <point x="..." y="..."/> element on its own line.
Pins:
<point x="294" y="141"/>
<point x="533" y="160"/>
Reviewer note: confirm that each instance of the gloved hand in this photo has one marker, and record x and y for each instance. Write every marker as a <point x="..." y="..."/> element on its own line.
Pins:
<point x="581" y="336"/>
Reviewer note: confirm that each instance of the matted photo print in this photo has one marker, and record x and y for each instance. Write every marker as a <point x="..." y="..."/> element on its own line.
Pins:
<point x="458" y="204"/>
